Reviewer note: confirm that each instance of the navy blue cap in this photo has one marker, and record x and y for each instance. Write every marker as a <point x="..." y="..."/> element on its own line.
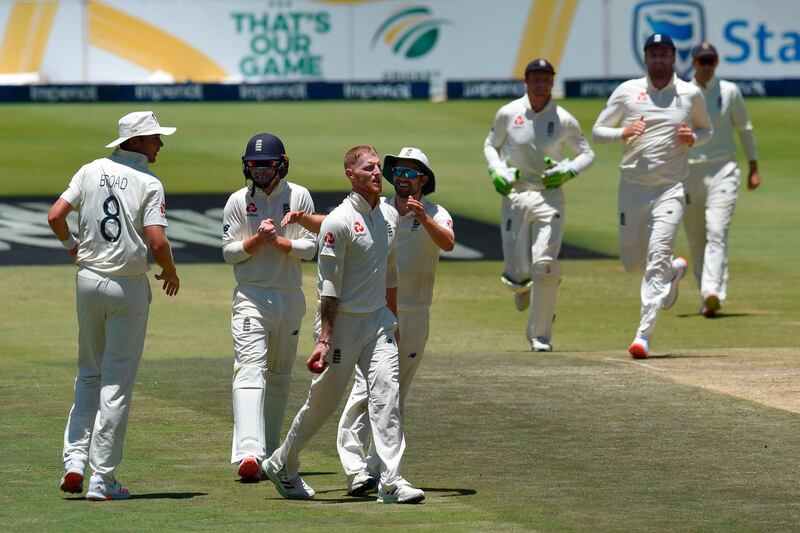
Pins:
<point x="704" y="49"/>
<point x="541" y="65"/>
<point x="659" y="39"/>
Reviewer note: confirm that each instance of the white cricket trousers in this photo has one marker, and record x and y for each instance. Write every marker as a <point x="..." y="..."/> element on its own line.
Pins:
<point x="649" y="219"/>
<point x="367" y="341"/>
<point x="532" y="230"/>
<point x="354" y="427"/>
<point x="711" y="193"/>
<point x="112" y="321"/>
<point x="265" y="326"/>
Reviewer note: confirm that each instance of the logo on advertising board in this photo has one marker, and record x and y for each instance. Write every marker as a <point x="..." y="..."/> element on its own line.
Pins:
<point x="682" y="20"/>
<point x="410" y="32"/>
<point x="281" y="43"/>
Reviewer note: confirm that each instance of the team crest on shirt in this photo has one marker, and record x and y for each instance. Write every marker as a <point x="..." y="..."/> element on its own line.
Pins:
<point x="519" y="121"/>
<point x="285" y="209"/>
<point x="415" y="225"/>
<point x="252" y="209"/>
<point x="163" y="208"/>
<point x="449" y="223"/>
<point x="641" y="98"/>
<point x="358" y="227"/>
<point x="329" y="239"/>
<point x="551" y="128"/>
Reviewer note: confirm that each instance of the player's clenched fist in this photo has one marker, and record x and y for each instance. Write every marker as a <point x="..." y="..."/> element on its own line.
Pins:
<point x="317" y="362"/>
<point x="634" y="129"/>
<point x="685" y="135"/>
<point x="267" y="231"/>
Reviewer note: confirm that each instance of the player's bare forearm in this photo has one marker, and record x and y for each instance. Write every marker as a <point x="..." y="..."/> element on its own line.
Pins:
<point x="57" y="218"/>
<point x="309" y="221"/>
<point x="162" y="255"/>
<point x="328" y="307"/>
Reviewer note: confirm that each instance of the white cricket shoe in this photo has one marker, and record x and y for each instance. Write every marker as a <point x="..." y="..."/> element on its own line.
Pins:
<point x="400" y="494"/>
<point x="361" y="483"/>
<point x="639" y="348"/>
<point x="522" y="300"/>
<point x="291" y="488"/>
<point x="540" y="345"/>
<point x="72" y="480"/>
<point x="679" y="267"/>
<point x="101" y="490"/>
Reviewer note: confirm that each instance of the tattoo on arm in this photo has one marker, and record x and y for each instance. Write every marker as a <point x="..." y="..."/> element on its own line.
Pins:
<point x="328" y="307"/>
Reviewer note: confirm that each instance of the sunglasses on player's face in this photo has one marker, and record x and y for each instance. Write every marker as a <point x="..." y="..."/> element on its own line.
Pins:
<point x="407" y="173"/>
<point x="265" y="163"/>
<point x="707" y="61"/>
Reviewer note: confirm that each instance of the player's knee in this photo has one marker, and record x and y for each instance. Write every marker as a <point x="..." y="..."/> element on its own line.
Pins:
<point x="248" y="376"/>
<point x="547" y="272"/>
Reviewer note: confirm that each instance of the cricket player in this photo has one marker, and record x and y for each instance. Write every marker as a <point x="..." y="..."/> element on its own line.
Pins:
<point x="424" y="229"/>
<point x="525" y="154"/>
<point x="356" y="325"/>
<point x="657" y="118"/>
<point x="268" y="303"/>
<point x="121" y="215"/>
<point x="713" y="183"/>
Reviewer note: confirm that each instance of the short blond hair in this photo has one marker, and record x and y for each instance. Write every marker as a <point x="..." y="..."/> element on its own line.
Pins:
<point x="355" y="153"/>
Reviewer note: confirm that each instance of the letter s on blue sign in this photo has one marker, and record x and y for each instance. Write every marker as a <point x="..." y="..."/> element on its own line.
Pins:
<point x="729" y="29"/>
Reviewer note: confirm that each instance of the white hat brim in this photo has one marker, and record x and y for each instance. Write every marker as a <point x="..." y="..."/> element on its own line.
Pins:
<point x="155" y="131"/>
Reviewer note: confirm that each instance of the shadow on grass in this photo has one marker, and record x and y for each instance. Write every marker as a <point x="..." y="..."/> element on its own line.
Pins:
<point x="685" y="356"/>
<point x="167" y="495"/>
<point x="371" y="497"/>
<point x="152" y="496"/>
<point x="719" y="315"/>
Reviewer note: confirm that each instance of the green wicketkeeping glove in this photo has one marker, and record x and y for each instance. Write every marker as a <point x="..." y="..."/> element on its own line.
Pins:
<point x="503" y="179"/>
<point x="557" y="174"/>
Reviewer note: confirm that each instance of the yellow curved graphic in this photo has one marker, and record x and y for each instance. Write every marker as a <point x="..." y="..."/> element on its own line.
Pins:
<point x="26" y="36"/>
<point x="153" y="49"/>
<point x="546" y="33"/>
<point x="391" y="34"/>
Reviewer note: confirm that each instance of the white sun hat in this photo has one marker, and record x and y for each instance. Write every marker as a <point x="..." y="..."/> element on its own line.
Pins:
<point x="412" y="154"/>
<point x="139" y="123"/>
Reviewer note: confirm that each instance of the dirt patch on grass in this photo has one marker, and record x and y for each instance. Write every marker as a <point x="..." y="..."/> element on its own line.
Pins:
<point x="770" y="376"/>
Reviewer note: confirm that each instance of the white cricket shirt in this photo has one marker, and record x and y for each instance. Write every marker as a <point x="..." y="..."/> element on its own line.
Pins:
<point x="116" y="197"/>
<point x="357" y="254"/>
<point x="726" y="107"/>
<point x="268" y="267"/>
<point x="521" y="139"/>
<point x="654" y="157"/>
<point x="417" y="257"/>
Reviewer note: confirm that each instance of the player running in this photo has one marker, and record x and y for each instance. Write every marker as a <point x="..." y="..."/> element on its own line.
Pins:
<point x="660" y="118"/>
<point x="524" y="151"/>
<point x="713" y="183"/>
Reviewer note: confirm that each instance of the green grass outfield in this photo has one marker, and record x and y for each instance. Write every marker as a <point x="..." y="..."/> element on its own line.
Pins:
<point x="582" y="439"/>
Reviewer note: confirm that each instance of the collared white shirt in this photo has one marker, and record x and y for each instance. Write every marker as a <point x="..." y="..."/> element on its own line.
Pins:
<point x="116" y="197"/>
<point x="521" y="138"/>
<point x="726" y="107"/>
<point x="268" y="267"/>
<point x="417" y="256"/>
<point x="358" y="254"/>
<point x="654" y="157"/>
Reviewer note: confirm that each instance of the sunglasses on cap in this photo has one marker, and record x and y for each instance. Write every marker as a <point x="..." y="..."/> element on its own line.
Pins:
<point x="407" y="173"/>
<point x="263" y="163"/>
<point x="706" y="61"/>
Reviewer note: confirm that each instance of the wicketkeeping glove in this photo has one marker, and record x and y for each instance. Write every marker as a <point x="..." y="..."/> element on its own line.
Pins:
<point x="503" y="179"/>
<point x="558" y="173"/>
